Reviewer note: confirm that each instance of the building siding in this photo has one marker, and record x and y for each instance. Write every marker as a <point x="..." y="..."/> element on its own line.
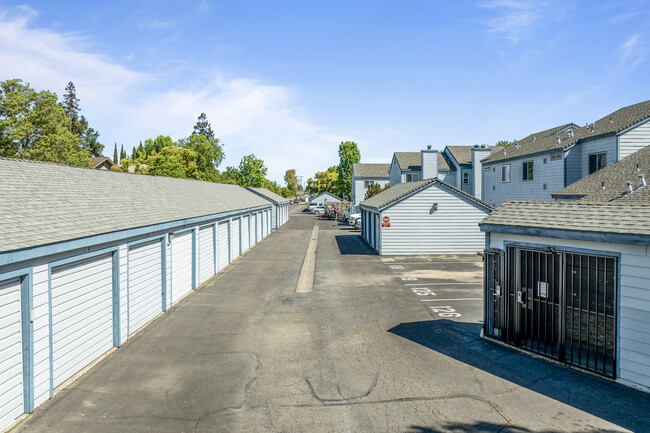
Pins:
<point x="578" y="158"/>
<point x="634" y="139"/>
<point x="415" y="229"/>
<point x="550" y="174"/>
<point x="633" y="349"/>
<point x="359" y="189"/>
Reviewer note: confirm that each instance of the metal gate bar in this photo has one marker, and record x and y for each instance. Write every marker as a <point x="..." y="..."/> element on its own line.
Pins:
<point x="559" y="304"/>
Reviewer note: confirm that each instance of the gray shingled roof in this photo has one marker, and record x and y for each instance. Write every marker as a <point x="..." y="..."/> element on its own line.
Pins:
<point x="614" y="178"/>
<point x="375" y="171"/>
<point x="462" y="154"/>
<point x="413" y="161"/>
<point x="269" y="194"/>
<point x="44" y="203"/>
<point x="401" y="190"/>
<point x="629" y="219"/>
<point x="611" y="124"/>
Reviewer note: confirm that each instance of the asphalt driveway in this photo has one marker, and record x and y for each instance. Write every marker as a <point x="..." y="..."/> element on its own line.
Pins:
<point x="381" y="344"/>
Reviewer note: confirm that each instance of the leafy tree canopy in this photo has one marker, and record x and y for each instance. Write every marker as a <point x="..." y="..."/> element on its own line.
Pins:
<point x="505" y="143"/>
<point x="323" y="181"/>
<point x="33" y="125"/>
<point x="375" y="189"/>
<point x="291" y="180"/>
<point x="348" y="154"/>
<point x="252" y="172"/>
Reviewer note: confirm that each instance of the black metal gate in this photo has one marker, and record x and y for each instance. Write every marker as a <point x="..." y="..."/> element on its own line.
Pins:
<point x="558" y="304"/>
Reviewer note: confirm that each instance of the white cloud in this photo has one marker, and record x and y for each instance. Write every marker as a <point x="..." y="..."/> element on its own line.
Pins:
<point x="631" y="53"/>
<point x="126" y="105"/>
<point x="515" y="19"/>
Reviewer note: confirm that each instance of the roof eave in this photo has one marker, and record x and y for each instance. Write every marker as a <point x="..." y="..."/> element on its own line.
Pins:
<point x="572" y="234"/>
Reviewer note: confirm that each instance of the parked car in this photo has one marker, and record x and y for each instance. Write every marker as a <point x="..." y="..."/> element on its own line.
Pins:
<point x="317" y="209"/>
<point x="351" y="213"/>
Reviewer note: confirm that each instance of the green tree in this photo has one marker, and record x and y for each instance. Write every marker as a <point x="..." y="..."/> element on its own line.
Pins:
<point x="173" y="162"/>
<point x="252" y="172"/>
<point x="291" y="180"/>
<point x="204" y="128"/>
<point x="348" y="154"/>
<point x="156" y="145"/>
<point x="323" y="181"/>
<point x="505" y="143"/>
<point x="209" y="154"/>
<point x="34" y="126"/>
<point x="115" y="156"/>
<point x="89" y="138"/>
<point x="122" y="152"/>
<point x="375" y="189"/>
<point x="286" y="192"/>
<point x="231" y="175"/>
<point x="71" y="107"/>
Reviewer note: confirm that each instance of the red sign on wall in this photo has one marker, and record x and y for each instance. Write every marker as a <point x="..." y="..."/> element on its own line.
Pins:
<point x="385" y="222"/>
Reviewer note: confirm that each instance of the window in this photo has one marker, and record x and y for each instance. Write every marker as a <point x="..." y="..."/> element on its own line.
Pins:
<point x="528" y="170"/>
<point x="597" y="161"/>
<point x="556" y="157"/>
<point x="412" y="177"/>
<point x="466" y="178"/>
<point x="367" y="183"/>
<point x="505" y="173"/>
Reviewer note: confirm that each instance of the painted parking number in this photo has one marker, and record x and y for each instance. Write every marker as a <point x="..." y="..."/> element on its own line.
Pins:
<point x="445" y="311"/>
<point x="423" y="292"/>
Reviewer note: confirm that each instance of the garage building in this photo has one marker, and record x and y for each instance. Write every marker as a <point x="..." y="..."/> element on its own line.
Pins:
<point x="88" y="257"/>
<point x="280" y="209"/>
<point x="424" y="217"/>
<point x="571" y="281"/>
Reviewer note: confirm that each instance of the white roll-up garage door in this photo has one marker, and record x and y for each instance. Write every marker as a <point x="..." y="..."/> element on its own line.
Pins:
<point x="11" y="353"/>
<point x="145" y="284"/>
<point x="206" y="253"/>
<point x="245" y="234"/>
<point x="82" y="315"/>
<point x="258" y="227"/>
<point x="181" y="265"/>
<point x="223" y="245"/>
<point x="267" y="220"/>
<point x="234" y="238"/>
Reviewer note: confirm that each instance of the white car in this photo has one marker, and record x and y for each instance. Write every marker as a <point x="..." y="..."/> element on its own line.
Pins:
<point x="353" y="218"/>
<point x="317" y="209"/>
<point x="351" y="213"/>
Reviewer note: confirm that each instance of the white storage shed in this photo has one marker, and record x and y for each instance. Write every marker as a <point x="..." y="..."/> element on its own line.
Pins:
<point x="280" y="209"/>
<point x="324" y="197"/>
<point x="88" y="257"/>
<point x="424" y="217"/>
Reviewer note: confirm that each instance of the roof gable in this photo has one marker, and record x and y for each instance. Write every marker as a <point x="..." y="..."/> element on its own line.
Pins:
<point x="400" y="191"/>
<point x="409" y="160"/>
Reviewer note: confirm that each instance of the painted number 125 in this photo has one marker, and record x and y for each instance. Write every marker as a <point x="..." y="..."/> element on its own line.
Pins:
<point x="445" y="311"/>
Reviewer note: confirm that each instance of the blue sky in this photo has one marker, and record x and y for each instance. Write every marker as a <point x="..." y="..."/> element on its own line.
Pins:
<point x="288" y="81"/>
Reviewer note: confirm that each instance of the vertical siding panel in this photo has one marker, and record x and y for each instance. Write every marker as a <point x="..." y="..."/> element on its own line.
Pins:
<point x="124" y="303"/>
<point x="41" y="334"/>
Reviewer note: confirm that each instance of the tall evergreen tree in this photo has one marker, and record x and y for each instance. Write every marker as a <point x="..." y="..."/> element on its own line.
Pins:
<point x="115" y="160"/>
<point x="71" y="107"/>
<point x="122" y="152"/>
<point x="89" y="138"/>
<point x="203" y="128"/>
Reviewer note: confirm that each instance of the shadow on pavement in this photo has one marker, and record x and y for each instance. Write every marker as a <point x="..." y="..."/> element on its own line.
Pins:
<point x="600" y="397"/>
<point x="483" y="427"/>
<point x="354" y="245"/>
